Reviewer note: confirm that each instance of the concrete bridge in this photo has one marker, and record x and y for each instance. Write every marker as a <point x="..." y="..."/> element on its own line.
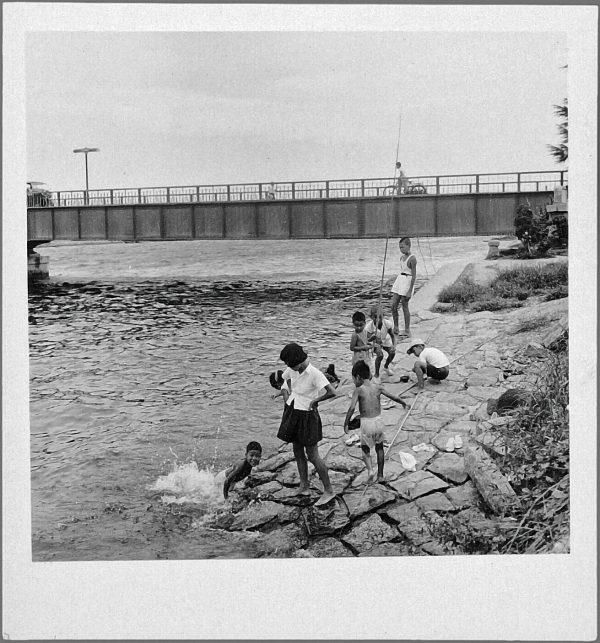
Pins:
<point x="372" y="214"/>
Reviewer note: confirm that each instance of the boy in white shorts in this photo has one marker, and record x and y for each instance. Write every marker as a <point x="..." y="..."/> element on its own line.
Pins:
<point x="403" y="287"/>
<point x="367" y="394"/>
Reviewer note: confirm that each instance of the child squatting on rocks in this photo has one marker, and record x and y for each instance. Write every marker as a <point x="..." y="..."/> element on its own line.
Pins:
<point x="384" y="338"/>
<point x="359" y="344"/>
<point x="301" y="422"/>
<point x="403" y="287"/>
<point x="367" y="394"/>
<point x="430" y="361"/>
<point x="241" y="470"/>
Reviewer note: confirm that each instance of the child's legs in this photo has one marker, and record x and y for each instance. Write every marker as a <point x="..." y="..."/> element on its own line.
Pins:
<point x="366" y="456"/>
<point x="380" y="459"/>
<point x="395" y="302"/>
<point x="312" y="453"/>
<point x="404" y="302"/>
<point x="420" y="369"/>
<point x="302" y="464"/>
<point x="391" y="351"/>
<point x="378" y="360"/>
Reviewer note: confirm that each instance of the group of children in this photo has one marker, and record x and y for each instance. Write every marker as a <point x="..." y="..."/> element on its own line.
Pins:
<point x="303" y="386"/>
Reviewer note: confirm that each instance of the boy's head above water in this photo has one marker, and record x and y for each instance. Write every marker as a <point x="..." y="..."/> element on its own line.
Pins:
<point x="361" y="372"/>
<point x="253" y="453"/>
<point x="359" y="320"/>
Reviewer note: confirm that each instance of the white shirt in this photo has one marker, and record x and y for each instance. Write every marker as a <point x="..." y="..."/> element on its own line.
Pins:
<point x="434" y="356"/>
<point x="305" y="386"/>
<point x="385" y="330"/>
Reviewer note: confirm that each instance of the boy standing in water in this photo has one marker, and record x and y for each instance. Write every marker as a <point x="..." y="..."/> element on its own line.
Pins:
<point x="403" y="287"/>
<point x="367" y="394"/>
<point x="381" y="331"/>
<point x="242" y="469"/>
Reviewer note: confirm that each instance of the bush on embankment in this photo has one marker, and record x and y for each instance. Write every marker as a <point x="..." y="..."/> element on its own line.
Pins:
<point x="509" y="288"/>
<point x="537" y="459"/>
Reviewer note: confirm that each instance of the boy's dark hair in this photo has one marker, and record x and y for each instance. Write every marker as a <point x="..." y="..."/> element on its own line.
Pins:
<point x="358" y="317"/>
<point x="253" y="446"/>
<point x="361" y="368"/>
<point x="404" y="239"/>
<point x="276" y="379"/>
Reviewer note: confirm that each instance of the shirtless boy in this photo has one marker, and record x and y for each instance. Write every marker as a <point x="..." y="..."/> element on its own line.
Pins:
<point x="367" y="394"/>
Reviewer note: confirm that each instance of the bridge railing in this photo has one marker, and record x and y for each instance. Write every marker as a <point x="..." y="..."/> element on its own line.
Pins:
<point x="330" y="189"/>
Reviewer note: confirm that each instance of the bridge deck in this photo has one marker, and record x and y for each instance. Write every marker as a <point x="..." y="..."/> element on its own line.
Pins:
<point x="358" y="217"/>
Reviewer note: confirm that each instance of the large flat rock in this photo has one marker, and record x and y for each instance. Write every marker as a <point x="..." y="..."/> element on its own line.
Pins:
<point x="417" y="484"/>
<point x="361" y="502"/>
<point x="435" y="502"/>
<point x="449" y="467"/>
<point x="392" y="549"/>
<point x="370" y="532"/>
<point x="486" y="376"/>
<point x="411" y="522"/>
<point x="329" y="548"/>
<point x="275" y="462"/>
<point x="463" y="496"/>
<point x="325" y="521"/>
<point x="260" y="513"/>
<point x="284" y="541"/>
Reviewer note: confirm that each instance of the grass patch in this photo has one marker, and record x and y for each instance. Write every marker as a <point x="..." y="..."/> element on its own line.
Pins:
<point x="509" y="288"/>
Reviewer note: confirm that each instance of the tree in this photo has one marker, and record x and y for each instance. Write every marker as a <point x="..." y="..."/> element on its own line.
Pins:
<point x="561" y="152"/>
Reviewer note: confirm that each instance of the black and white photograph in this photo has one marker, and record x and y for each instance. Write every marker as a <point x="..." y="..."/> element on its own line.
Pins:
<point x="309" y="304"/>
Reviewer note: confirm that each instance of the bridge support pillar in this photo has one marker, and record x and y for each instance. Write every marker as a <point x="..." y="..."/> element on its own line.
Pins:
<point x="37" y="266"/>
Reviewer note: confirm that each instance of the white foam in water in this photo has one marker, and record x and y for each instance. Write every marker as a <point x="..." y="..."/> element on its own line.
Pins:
<point x="187" y="483"/>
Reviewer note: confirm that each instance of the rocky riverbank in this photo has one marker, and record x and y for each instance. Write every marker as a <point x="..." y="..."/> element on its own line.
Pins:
<point x="413" y="511"/>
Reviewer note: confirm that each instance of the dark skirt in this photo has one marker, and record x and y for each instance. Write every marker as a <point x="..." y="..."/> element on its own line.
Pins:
<point x="304" y="427"/>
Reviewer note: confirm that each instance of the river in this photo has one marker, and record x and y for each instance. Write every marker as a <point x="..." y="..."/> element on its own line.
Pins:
<point x="149" y="367"/>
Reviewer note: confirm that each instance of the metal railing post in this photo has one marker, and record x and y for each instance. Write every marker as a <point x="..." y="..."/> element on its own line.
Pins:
<point x="476" y="183"/>
<point x="228" y="193"/>
<point x="327" y="189"/>
<point x="437" y="184"/>
<point x="293" y="190"/>
<point x="168" y="195"/>
<point x="58" y="198"/>
<point x="518" y="181"/>
<point x="562" y="178"/>
<point x="362" y="187"/>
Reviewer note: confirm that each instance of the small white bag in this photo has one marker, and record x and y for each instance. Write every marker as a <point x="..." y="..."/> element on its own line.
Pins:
<point x="408" y="461"/>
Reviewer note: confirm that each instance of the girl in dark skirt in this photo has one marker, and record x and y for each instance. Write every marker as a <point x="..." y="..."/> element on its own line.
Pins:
<point x="301" y="423"/>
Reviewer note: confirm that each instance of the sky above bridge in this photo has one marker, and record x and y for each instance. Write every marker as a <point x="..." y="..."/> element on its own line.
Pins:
<point x="222" y="106"/>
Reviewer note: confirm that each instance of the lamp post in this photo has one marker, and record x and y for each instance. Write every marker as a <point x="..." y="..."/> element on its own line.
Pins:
<point x="86" y="151"/>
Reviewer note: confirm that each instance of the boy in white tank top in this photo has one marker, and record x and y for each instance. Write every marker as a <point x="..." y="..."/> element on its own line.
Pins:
<point x="403" y="287"/>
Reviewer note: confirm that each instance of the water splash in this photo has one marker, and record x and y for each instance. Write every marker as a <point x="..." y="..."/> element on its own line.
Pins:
<point x="187" y="483"/>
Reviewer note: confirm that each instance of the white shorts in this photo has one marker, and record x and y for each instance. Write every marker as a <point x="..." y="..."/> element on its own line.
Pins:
<point x="402" y="285"/>
<point x="371" y="431"/>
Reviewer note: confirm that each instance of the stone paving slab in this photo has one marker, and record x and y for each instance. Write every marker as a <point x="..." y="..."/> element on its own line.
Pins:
<point x="329" y="548"/>
<point x="435" y="502"/>
<point x="449" y="467"/>
<point x="463" y="496"/>
<point x="361" y="502"/>
<point x="417" y="484"/>
<point x="370" y="532"/>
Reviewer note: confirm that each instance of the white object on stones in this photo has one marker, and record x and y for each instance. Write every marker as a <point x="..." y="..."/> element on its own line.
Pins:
<point x="458" y="442"/>
<point x="408" y="461"/>
<point x="450" y="445"/>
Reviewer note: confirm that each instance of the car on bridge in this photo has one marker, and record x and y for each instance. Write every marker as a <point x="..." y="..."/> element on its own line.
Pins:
<point x="38" y="196"/>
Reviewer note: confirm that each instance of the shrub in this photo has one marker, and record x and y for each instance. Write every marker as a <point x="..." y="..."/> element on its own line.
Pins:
<point x="537" y="460"/>
<point x="463" y="292"/>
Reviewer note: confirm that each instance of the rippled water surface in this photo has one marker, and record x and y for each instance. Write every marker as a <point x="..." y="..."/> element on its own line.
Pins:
<point x="149" y="366"/>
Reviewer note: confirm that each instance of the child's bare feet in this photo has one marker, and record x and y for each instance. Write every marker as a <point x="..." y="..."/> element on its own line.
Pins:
<point x="380" y="478"/>
<point x="327" y="496"/>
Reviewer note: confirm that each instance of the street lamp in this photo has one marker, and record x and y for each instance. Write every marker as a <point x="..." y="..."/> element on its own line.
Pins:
<point x="86" y="151"/>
